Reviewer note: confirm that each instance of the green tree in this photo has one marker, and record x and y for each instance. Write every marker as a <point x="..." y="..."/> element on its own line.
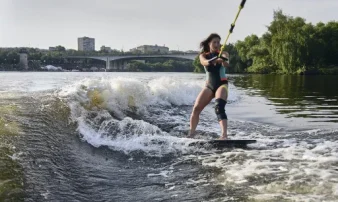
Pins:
<point x="60" y="48"/>
<point x="198" y="67"/>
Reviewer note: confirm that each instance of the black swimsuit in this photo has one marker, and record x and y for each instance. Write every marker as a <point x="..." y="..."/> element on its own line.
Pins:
<point x="215" y="74"/>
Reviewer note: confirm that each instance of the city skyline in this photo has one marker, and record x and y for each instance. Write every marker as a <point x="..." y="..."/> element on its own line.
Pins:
<point x="129" y="24"/>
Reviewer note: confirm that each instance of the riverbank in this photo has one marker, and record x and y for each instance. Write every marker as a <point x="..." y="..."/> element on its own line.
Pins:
<point x="320" y="71"/>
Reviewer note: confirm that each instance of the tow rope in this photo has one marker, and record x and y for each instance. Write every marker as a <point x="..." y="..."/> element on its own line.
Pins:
<point x="232" y="27"/>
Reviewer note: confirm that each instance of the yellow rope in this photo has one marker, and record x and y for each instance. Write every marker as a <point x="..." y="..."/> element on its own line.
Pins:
<point x="232" y="26"/>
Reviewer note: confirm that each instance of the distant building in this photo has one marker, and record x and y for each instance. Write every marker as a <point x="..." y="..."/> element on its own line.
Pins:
<point x="135" y="50"/>
<point x="105" y="48"/>
<point x="150" y="49"/>
<point x="52" y="49"/>
<point x="176" y="52"/>
<point x="86" y="44"/>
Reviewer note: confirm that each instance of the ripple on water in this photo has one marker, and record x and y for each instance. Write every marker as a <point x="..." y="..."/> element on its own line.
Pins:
<point x="295" y="170"/>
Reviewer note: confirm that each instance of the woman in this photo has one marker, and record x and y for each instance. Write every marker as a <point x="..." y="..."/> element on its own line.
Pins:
<point x="216" y="84"/>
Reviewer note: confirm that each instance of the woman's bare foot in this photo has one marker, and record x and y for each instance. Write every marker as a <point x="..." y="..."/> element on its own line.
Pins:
<point x="191" y="135"/>
<point x="223" y="137"/>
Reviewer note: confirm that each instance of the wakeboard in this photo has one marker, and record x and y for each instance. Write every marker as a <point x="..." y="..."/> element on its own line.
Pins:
<point x="223" y="143"/>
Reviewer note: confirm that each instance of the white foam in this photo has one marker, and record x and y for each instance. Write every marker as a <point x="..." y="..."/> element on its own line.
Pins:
<point x="46" y="194"/>
<point x="51" y="68"/>
<point x="122" y="93"/>
<point x="297" y="171"/>
<point x="130" y="135"/>
<point x="164" y="173"/>
<point x="15" y="156"/>
<point x="117" y="94"/>
<point x="115" y="97"/>
<point x="168" y="90"/>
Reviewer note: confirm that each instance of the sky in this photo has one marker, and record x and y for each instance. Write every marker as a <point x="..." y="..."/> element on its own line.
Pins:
<point x="125" y="24"/>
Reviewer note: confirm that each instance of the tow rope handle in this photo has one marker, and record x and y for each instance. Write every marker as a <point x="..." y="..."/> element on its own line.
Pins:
<point x="232" y="26"/>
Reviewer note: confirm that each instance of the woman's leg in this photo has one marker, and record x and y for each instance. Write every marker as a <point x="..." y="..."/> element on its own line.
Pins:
<point x="222" y="93"/>
<point x="203" y="99"/>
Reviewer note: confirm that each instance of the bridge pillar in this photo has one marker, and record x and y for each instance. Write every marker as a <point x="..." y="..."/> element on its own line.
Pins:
<point x="107" y="63"/>
<point x="114" y="64"/>
<point x="124" y="64"/>
<point x="23" y="61"/>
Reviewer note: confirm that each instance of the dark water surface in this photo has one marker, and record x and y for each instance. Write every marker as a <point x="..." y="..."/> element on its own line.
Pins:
<point x="307" y="101"/>
<point x="313" y="97"/>
<point x="120" y="137"/>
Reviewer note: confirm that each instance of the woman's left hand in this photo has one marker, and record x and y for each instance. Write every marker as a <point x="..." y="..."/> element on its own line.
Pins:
<point x="226" y="55"/>
<point x="219" y="61"/>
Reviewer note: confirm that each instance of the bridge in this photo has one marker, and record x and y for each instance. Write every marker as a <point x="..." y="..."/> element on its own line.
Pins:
<point x="120" y="61"/>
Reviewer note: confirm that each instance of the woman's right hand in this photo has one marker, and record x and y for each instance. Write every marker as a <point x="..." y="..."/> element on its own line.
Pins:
<point x="219" y="61"/>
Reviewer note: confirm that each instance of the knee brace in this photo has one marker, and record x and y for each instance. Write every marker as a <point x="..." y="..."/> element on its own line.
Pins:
<point x="219" y="109"/>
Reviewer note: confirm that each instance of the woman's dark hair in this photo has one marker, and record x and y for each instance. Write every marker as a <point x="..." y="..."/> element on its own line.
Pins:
<point x="204" y="45"/>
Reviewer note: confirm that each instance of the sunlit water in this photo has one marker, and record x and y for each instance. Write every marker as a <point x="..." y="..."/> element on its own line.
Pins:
<point x="121" y="137"/>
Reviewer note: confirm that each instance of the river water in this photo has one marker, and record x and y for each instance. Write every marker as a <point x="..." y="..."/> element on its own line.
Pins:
<point x="121" y="137"/>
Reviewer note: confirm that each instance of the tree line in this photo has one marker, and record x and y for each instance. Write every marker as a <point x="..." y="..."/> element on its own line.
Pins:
<point x="289" y="46"/>
<point x="161" y="65"/>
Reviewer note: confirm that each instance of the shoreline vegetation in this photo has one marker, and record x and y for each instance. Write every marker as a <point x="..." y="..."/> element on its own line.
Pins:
<point x="289" y="46"/>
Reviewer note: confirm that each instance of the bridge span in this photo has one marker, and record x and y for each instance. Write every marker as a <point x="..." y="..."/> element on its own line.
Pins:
<point x="120" y="61"/>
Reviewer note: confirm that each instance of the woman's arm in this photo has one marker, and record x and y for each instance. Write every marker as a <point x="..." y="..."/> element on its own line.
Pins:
<point x="206" y="62"/>
<point x="203" y="60"/>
